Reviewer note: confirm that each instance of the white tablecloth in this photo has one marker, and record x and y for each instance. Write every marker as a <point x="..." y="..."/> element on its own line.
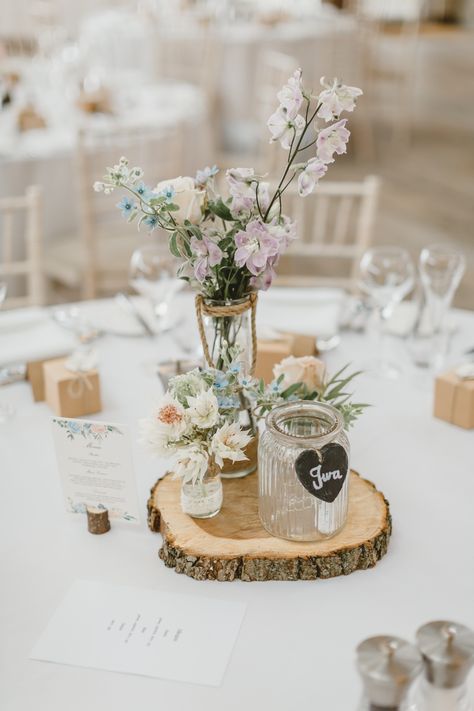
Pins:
<point x="296" y="645"/>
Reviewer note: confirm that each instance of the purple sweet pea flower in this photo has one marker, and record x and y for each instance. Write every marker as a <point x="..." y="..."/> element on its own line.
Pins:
<point x="255" y="246"/>
<point x="264" y="280"/>
<point x="239" y="181"/>
<point x="284" y="231"/>
<point x="208" y="254"/>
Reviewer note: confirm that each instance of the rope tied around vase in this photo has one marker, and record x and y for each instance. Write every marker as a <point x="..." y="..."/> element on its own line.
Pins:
<point x="221" y="311"/>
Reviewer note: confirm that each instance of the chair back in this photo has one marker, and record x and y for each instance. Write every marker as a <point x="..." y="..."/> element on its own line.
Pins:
<point x="21" y="259"/>
<point x="334" y="223"/>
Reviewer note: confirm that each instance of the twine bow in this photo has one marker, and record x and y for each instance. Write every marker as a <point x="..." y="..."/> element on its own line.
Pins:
<point x="80" y="363"/>
<point x="231" y="309"/>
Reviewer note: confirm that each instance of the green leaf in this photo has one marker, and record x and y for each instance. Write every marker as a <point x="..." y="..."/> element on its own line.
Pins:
<point x="220" y="209"/>
<point x="171" y="207"/>
<point x="173" y="245"/>
<point x="291" y="390"/>
<point x="193" y="229"/>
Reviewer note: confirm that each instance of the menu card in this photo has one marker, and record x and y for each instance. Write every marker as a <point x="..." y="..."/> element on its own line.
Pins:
<point x="95" y="467"/>
<point x="139" y="631"/>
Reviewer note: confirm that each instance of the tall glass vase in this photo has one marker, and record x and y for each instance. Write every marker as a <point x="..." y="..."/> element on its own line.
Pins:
<point x="227" y="330"/>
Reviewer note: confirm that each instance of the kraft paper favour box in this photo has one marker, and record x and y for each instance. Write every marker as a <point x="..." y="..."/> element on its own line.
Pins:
<point x="454" y="396"/>
<point x="35" y="375"/>
<point x="71" y="393"/>
<point x="272" y="351"/>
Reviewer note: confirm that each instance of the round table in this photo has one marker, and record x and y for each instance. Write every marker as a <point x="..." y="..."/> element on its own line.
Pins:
<point x="296" y="645"/>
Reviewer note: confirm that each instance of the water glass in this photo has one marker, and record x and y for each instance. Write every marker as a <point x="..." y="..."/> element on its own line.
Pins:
<point x="153" y="275"/>
<point x="387" y="275"/>
<point x="441" y="269"/>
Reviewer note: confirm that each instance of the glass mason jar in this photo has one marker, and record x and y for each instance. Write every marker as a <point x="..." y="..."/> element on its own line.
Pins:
<point x="203" y="499"/>
<point x="228" y="324"/>
<point x="287" y="509"/>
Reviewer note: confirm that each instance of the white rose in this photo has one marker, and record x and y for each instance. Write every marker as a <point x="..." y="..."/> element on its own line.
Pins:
<point x="192" y="464"/>
<point x="189" y="199"/>
<point x="228" y="443"/>
<point x="307" y="369"/>
<point x="203" y="410"/>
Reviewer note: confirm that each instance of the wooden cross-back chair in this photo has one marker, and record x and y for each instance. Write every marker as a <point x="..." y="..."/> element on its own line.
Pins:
<point x="21" y="258"/>
<point x="96" y="260"/>
<point x="335" y="223"/>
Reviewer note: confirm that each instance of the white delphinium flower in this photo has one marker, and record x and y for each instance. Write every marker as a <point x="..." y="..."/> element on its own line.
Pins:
<point x="283" y="127"/>
<point x="309" y="177"/>
<point x="192" y="463"/>
<point x="203" y="411"/>
<point x="291" y="95"/>
<point x="228" y="443"/>
<point x="336" y="98"/>
<point x="332" y="139"/>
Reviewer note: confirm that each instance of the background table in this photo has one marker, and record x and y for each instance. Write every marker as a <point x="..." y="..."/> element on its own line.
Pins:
<point x="296" y="645"/>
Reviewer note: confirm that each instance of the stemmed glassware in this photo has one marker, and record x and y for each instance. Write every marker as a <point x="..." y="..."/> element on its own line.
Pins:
<point x="153" y="275"/>
<point x="6" y="410"/>
<point x="441" y="270"/>
<point x="387" y="275"/>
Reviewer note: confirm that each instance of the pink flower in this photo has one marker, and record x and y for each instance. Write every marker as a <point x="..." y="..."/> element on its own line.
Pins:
<point x="264" y="280"/>
<point x="240" y="184"/>
<point x="283" y="127"/>
<point x="208" y="253"/>
<point x="336" y="98"/>
<point x="332" y="139"/>
<point x="255" y="246"/>
<point x="291" y="95"/>
<point x="242" y="206"/>
<point x="309" y="177"/>
<point x="284" y="231"/>
<point x="98" y="429"/>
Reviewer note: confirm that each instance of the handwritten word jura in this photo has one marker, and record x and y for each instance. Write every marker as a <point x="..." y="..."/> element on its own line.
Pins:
<point x="322" y="478"/>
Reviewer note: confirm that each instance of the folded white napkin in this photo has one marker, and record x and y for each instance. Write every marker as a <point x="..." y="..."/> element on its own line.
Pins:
<point x="316" y="310"/>
<point x="30" y="334"/>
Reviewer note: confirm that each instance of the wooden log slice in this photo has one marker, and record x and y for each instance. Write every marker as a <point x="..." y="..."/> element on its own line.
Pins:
<point x="234" y="545"/>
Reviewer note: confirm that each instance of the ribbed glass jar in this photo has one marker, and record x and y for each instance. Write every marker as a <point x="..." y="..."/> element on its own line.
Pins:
<point x="286" y="508"/>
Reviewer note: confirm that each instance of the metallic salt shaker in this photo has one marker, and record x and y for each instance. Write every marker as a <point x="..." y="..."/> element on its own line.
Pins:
<point x="448" y="656"/>
<point x="388" y="665"/>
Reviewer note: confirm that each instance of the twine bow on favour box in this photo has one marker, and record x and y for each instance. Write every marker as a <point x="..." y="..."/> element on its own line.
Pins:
<point x="465" y="371"/>
<point x="80" y="363"/>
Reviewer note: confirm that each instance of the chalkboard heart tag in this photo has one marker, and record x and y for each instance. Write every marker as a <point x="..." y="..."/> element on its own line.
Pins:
<point x="323" y="472"/>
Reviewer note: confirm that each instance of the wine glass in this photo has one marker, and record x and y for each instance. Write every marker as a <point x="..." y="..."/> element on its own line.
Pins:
<point x="153" y="275"/>
<point x="441" y="270"/>
<point x="6" y="410"/>
<point x="387" y="275"/>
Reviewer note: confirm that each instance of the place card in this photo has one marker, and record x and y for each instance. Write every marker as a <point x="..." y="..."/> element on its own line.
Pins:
<point x="95" y="467"/>
<point x="139" y="631"/>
